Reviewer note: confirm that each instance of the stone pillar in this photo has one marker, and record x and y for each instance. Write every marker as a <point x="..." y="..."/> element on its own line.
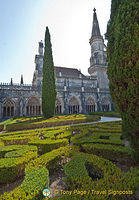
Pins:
<point x="29" y="110"/>
<point x="10" y="111"/>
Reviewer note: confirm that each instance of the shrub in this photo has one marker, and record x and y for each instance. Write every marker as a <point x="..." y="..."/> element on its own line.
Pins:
<point x="52" y="159"/>
<point x="113" y="179"/>
<point x="107" y="114"/>
<point x="97" y="138"/>
<point x="11" y="168"/>
<point x="47" y="145"/>
<point x="58" y="134"/>
<point x="108" y="151"/>
<point x="25" y="126"/>
<point x="17" y="140"/>
<point x="11" y="148"/>
<point x="1" y="127"/>
<point x="36" y="179"/>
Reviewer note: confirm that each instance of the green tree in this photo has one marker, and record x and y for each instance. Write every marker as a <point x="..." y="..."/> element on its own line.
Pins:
<point x="48" y="83"/>
<point x="123" y="50"/>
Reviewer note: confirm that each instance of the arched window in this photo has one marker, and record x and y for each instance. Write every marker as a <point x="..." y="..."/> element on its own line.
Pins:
<point x="105" y="104"/>
<point x="8" y="108"/>
<point x="58" y="108"/>
<point x="33" y="107"/>
<point x="74" y="106"/>
<point x="90" y="105"/>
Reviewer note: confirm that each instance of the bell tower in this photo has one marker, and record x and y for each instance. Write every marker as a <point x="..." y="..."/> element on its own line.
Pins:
<point x="98" y="64"/>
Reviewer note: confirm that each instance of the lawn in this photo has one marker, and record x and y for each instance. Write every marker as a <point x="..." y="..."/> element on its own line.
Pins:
<point x="85" y="158"/>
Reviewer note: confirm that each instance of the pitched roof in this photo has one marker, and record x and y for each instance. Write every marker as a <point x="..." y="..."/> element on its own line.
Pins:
<point x="68" y="72"/>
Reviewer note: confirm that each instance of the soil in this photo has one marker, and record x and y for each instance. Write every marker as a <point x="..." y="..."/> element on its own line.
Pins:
<point x="10" y="186"/>
<point x="56" y="180"/>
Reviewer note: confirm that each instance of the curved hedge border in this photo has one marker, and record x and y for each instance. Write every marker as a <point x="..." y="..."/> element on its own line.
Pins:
<point x="12" y="168"/>
<point x="20" y="126"/>
<point x="1" y="127"/>
<point x="17" y="140"/>
<point x="36" y="179"/>
<point x="114" y="180"/>
<point x="11" y="148"/>
<point x="37" y="176"/>
<point x="12" y="164"/>
<point x="108" y="151"/>
<point x="96" y="138"/>
<point x="47" y="145"/>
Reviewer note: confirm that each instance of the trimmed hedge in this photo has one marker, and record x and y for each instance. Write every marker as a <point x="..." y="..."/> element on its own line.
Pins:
<point x="77" y="178"/>
<point x="18" y="140"/>
<point x="47" y="145"/>
<point x="20" y="126"/>
<point x="36" y="179"/>
<point x="37" y="176"/>
<point x="1" y="127"/>
<point x="12" y="168"/>
<point x="12" y="148"/>
<point x="58" y="134"/>
<point x="106" y="114"/>
<point x="52" y="159"/>
<point x="100" y="138"/>
<point x="19" y="133"/>
<point x="108" y="151"/>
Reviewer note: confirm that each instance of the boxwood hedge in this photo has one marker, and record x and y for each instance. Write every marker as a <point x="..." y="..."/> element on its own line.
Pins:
<point x="47" y="145"/>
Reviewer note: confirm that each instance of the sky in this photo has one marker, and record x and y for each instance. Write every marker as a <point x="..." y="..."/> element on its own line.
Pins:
<point x="23" y="24"/>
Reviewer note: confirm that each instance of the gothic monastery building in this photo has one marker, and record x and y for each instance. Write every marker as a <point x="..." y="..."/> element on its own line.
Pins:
<point x="76" y="93"/>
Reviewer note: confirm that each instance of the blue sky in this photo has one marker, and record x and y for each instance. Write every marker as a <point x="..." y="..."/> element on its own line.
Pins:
<point x="22" y="25"/>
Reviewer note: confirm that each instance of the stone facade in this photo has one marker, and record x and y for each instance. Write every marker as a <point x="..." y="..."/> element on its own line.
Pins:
<point x="76" y="93"/>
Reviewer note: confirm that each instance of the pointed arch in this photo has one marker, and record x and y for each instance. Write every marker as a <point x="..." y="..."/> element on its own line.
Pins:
<point x="105" y="104"/>
<point x="8" y="108"/>
<point x="74" y="105"/>
<point x="59" y="106"/>
<point x="90" y="104"/>
<point x="33" y="106"/>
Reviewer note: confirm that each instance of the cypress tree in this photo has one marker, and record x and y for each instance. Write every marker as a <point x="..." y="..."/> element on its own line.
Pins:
<point x="48" y="83"/>
<point x="123" y="50"/>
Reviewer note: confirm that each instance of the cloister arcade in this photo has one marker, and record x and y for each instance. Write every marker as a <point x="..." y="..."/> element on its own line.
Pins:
<point x="58" y="109"/>
<point x="33" y="107"/>
<point x="105" y="104"/>
<point x="90" y="105"/>
<point x="74" y="105"/>
<point x="8" y="108"/>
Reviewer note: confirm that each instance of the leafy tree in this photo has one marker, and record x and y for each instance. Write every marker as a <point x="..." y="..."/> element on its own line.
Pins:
<point x="48" y="83"/>
<point x="123" y="50"/>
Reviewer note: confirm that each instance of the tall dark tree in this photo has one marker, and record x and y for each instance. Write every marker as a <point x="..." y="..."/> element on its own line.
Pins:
<point x="123" y="50"/>
<point x="48" y="83"/>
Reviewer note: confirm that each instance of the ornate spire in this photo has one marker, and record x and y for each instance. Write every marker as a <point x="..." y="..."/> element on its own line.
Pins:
<point x="41" y="48"/>
<point x="11" y="83"/>
<point x="95" y="28"/>
<point x="21" y="82"/>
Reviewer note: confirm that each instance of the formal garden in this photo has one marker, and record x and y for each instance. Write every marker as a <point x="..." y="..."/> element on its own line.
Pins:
<point x="67" y="157"/>
<point x="86" y="161"/>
